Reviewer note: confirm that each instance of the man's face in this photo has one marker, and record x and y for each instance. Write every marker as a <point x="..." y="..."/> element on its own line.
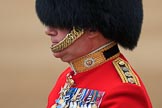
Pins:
<point x="79" y="48"/>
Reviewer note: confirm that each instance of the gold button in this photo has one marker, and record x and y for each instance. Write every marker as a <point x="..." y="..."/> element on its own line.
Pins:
<point x="125" y="69"/>
<point x="121" y="63"/>
<point x="131" y="80"/>
<point x="128" y="74"/>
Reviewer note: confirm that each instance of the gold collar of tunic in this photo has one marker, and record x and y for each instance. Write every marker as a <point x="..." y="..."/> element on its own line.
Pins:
<point x="95" y="58"/>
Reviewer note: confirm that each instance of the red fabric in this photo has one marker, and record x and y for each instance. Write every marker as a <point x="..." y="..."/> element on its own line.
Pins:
<point x="105" y="78"/>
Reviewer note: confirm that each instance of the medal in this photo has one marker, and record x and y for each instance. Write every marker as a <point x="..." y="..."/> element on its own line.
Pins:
<point x="68" y="84"/>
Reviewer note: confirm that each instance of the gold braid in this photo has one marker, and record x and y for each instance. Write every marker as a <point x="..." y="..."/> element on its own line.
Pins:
<point x="68" y="40"/>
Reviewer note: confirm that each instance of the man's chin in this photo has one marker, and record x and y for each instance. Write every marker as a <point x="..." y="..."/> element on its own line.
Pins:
<point x="60" y="56"/>
<point x="57" y="54"/>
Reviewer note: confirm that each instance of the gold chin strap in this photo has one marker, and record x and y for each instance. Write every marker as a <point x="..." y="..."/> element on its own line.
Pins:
<point x="68" y="40"/>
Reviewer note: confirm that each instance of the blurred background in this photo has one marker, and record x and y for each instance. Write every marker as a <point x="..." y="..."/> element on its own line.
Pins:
<point x="28" y="69"/>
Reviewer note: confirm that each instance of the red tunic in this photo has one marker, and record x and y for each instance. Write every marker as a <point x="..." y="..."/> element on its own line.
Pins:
<point x="106" y="78"/>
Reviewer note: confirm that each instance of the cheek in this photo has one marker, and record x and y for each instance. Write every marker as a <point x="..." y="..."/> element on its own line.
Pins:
<point x="79" y="50"/>
<point x="62" y="34"/>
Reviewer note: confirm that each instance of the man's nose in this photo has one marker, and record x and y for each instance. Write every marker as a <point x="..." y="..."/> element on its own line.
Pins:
<point x="50" y="31"/>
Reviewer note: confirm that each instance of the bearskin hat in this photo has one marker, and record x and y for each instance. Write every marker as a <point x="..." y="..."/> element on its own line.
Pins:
<point x="118" y="20"/>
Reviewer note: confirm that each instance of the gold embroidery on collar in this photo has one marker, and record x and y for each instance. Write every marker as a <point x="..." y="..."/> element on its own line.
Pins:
<point x="93" y="59"/>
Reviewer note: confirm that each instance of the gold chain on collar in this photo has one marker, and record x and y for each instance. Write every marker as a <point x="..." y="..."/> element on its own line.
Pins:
<point x="68" y="40"/>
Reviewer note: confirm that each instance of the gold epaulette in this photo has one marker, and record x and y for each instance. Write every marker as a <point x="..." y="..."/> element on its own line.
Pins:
<point x="125" y="72"/>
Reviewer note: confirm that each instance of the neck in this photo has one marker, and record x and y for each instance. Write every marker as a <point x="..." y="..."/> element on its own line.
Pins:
<point x="95" y="58"/>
